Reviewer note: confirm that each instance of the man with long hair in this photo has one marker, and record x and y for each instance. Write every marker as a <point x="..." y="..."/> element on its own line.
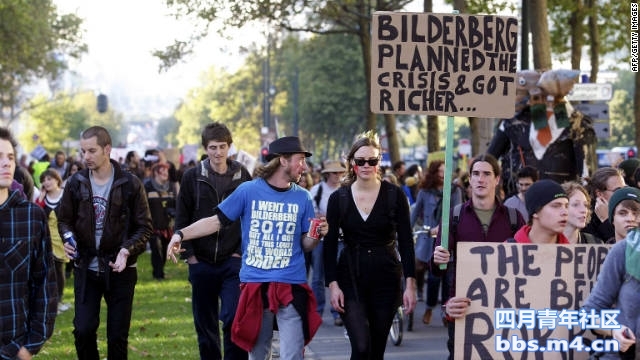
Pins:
<point x="275" y="214"/>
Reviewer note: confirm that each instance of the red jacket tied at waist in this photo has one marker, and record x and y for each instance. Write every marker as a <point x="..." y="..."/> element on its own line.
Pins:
<point x="248" y="320"/>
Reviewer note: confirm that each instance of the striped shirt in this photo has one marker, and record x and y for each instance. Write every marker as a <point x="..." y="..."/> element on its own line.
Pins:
<point x="28" y="292"/>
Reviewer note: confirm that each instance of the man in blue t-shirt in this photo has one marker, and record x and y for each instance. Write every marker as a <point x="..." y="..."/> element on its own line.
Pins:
<point x="275" y="216"/>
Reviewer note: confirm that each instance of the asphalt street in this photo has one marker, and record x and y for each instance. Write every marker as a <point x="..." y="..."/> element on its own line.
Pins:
<point x="424" y="342"/>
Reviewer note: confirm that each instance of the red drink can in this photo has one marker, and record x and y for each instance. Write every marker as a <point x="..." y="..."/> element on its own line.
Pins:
<point x="313" y="229"/>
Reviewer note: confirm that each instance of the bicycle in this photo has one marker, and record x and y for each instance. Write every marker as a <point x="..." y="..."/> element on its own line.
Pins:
<point x="395" y="333"/>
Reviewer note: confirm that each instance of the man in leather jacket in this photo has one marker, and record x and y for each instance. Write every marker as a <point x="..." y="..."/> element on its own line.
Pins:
<point x="107" y="212"/>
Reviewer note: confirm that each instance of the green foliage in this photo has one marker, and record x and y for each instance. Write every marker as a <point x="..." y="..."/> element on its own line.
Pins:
<point x="622" y="124"/>
<point x="35" y="42"/>
<point x="161" y="325"/>
<point x="488" y="6"/>
<point x="63" y="118"/>
<point x="613" y="23"/>
<point x="232" y="99"/>
<point x="168" y="126"/>
<point x="332" y="94"/>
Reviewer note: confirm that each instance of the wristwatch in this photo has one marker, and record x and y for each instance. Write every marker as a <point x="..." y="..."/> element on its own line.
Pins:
<point x="179" y="233"/>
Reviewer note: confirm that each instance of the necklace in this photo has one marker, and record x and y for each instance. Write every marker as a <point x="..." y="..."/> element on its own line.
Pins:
<point x="365" y="200"/>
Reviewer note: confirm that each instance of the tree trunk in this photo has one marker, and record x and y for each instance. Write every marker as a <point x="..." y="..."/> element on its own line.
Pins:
<point x="594" y="35"/>
<point x="524" y="38"/>
<point x="392" y="137"/>
<point x="433" y="133"/>
<point x="433" y="127"/>
<point x="540" y="35"/>
<point x="365" y="47"/>
<point x="577" y="34"/>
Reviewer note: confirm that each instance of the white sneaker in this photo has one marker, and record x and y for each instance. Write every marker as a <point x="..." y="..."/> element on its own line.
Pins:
<point x="63" y="307"/>
<point x="346" y="335"/>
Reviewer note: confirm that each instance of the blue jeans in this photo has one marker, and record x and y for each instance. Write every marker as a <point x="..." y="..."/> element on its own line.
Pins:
<point x="215" y="287"/>
<point x="291" y="335"/>
<point x="317" y="278"/>
<point x="118" y="295"/>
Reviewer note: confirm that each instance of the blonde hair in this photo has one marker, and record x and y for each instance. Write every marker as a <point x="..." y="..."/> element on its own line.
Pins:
<point x="570" y="187"/>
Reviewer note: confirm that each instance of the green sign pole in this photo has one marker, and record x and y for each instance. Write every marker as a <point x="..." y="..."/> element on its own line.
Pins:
<point x="446" y="191"/>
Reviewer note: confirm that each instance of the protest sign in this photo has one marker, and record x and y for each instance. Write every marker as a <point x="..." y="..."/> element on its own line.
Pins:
<point x="516" y="290"/>
<point x="443" y="64"/>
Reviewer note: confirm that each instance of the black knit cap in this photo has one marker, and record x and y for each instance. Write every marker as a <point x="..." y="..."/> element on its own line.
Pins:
<point x="618" y="196"/>
<point x="541" y="193"/>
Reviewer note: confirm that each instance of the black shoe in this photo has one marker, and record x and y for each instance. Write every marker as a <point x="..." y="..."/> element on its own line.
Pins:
<point x="338" y="322"/>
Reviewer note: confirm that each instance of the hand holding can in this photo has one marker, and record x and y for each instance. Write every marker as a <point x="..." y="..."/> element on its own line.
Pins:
<point x="71" y="239"/>
<point x="313" y="229"/>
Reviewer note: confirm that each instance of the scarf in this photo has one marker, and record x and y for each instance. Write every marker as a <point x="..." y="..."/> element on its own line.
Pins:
<point x="160" y="187"/>
<point x="632" y="254"/>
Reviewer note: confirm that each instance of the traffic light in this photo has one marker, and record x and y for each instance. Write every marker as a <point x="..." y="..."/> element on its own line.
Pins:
<point x="102" y="103"/>
<point x="631" y="153"/>
<point x="263" y="154"/>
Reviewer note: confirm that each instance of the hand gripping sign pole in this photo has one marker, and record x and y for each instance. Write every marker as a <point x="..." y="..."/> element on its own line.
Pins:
<point x="444" y="64"/>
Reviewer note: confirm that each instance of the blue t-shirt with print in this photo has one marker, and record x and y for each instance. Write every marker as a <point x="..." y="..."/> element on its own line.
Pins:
<point x="272" y="226"/>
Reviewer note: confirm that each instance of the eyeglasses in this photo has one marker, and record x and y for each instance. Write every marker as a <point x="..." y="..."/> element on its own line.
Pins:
<point x="371" y="162"/>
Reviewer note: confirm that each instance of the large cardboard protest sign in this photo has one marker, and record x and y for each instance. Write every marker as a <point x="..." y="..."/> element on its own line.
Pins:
<point x="443" y="64"/>
<point x="544" y="278"/>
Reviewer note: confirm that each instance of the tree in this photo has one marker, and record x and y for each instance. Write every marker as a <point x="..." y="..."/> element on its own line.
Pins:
<point x="540" y="35"/>
<point x="340" y="16"/>
<point x="601" y="25"/>
<point x="63" y="118"/>
<point x="36" y="43"/>
<point x="331" y="94"/>
<point x="233" y="99"/>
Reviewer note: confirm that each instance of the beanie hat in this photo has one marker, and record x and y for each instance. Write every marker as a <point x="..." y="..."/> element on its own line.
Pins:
<point x="624" y="193"/>
<point x="541" y="193"/>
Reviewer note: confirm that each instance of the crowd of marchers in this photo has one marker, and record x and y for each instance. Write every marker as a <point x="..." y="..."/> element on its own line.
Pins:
<point x="262" y="248"/>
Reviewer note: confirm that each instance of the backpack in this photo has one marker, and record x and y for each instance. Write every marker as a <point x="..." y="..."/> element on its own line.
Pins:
<point x="318" y="196"/>
<point x="513" y="218"/>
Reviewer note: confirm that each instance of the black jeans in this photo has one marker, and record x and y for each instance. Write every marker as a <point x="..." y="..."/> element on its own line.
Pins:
<point x="118" y="295"/>
<point x="215" y="287"/>
<point x="372" y="287"/>
<point x="158" y="245"/>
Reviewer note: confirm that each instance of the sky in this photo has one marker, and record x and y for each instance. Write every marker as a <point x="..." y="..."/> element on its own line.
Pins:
<point x="122" y="34"/>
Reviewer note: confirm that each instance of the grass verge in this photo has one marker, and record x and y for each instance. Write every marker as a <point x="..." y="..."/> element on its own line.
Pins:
<point x="161" y="324"/>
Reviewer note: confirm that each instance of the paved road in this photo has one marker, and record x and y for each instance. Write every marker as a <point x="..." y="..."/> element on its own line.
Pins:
<point x="424" y="342"/>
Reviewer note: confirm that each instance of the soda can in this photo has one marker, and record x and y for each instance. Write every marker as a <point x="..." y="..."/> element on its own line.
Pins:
<point x="313" y="229"/>
<point x="71" y="239"/>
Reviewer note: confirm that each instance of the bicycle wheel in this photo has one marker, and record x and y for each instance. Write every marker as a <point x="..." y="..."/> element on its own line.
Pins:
<point x="395" y="333"/>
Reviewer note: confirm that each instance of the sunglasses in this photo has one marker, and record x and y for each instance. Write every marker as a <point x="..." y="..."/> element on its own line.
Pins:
<point x="371" y="162"/>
